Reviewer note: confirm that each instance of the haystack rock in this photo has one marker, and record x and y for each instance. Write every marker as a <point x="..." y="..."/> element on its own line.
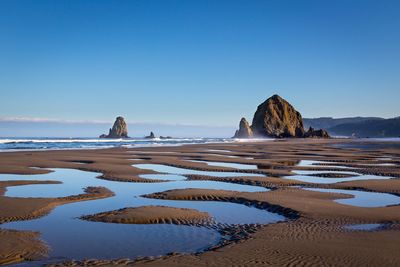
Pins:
<point x="277" y="118"/>
<point x="244" y="131"/>
<point x="119" y="129"/>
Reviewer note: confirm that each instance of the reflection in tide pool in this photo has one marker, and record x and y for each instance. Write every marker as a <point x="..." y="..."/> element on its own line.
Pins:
<point x="307" y="175"/>
<point x="324" y="180"/>
<point x="182" y="171"/>
<point x="219" y="150"/>
<point x="315" y="164"/>
<point x="163" y="177"/>
<point x="306" y="172"/>
<point x="73" y="183"/>
<point x="71" y="237"/>
<point x="362" y="198"/>
<point x="363" y="227"/>
<point x="227" y="164"/>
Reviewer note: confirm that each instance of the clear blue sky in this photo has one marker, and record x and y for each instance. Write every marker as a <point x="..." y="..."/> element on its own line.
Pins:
<point x="197" y="62"/>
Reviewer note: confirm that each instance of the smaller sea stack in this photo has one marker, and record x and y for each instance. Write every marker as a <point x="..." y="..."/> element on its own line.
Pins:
<point x="150" y="136"/>
<point x="244" y="131"/>
<point x="119" y="129"/>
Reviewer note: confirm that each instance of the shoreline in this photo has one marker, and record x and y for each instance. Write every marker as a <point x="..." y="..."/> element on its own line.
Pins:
<point x="161" y="142"/>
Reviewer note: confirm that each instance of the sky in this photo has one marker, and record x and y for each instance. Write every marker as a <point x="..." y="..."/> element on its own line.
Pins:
<point x="197" y="62"/>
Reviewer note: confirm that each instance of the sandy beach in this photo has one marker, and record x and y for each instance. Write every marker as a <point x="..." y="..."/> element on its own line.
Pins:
<point x="314" y="232"/>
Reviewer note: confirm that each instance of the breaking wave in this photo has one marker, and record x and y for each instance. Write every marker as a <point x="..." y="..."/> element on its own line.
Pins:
<point x="16" y="144"/>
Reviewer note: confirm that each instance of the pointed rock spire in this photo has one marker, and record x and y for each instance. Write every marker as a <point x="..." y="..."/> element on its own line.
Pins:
<point x="119" y="129"/>
<point x="244" y="131"/>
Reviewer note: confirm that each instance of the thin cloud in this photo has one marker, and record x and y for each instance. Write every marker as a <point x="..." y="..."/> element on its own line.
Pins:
<point x="36" y="119"/>
<point x="51" y="120"/>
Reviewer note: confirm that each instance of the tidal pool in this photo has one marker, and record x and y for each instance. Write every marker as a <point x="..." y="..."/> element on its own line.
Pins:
<point x="70" y="237"/>
<point x="315" y="164"/>
<point x="228" y="156"/>
<point x="184" y="171"/>
<point x="307" y="172"/>
<point x="163" y="177"/>
<point x="363" y="227"/>
<point x="376" y="164"/>
<point x="227" y="164"/>
<point x="219" y="150"/>
<point x="306" y="175"/>
<point x="362" y="198"/>
<point x="325" y="180"/>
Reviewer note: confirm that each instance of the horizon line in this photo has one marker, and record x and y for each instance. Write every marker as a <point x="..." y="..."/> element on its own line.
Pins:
<point x="66" y="121"/>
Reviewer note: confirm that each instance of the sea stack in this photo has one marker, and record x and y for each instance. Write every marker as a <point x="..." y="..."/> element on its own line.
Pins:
<point x="244" y="131"/>
<point x="150" y="136"/>
<point x="277" y="118"/>
<point x="119" y="129"/>
<point x="321" y="133"/>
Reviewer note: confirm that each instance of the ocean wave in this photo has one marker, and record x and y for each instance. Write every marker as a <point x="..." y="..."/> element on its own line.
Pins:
<point x="25" y="144"/>
<point x="16" y="141"/>
<point x="101" y="140"/>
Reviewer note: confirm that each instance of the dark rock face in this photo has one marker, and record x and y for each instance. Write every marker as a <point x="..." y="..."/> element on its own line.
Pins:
<point x="244" y="131"/>
<point x="151" y="136"/>
<point x="277" y="118"/>
<point x="321" y="133"/>
<point x="119" y="129"/>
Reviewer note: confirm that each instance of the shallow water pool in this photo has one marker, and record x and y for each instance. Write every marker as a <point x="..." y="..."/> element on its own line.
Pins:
<point x="364" y="227"/>
<point x="306" y="175"/>
<point x="184" y="171"/>
<point x="362" y="198"/>
<point x="239" y="166"/>
<point x="70" y="237"/>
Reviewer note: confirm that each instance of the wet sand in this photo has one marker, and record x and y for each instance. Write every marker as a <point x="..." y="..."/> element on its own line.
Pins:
<point x="314" y="234"/>
<point x="16" y="246"/>
<point x="152" y="215"/>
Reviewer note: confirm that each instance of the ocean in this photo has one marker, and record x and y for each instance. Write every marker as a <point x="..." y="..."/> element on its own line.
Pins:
<point x="20" y="144"/>
<point x="51" y="143"/>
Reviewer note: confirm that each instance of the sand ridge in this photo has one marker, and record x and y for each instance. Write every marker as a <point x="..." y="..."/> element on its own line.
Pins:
<point x="16" y="246"/>
<point x="152" y="215"/>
